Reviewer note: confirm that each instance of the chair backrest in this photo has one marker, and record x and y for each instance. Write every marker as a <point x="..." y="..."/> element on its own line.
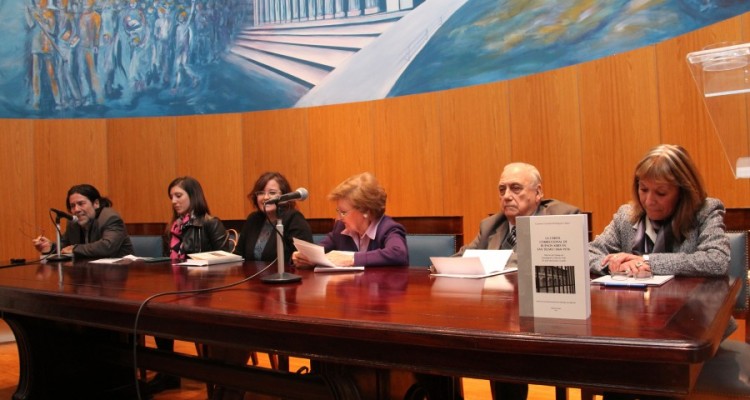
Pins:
<point x="148" y="238"/>
<point x="147" y="245"/>
<point x="424" y="246"/>
<point x="738" y="265"/>
<point x="426" y="236"/>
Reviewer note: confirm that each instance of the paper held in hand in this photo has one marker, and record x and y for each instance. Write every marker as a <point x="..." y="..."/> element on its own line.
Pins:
<point x="473" y="264"/>
<point x="211" y="258"/>
<point x="317" y="255"/>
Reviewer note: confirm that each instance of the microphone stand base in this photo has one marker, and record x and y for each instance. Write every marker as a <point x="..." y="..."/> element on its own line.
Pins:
<point x="283" y="277"/>
<point x="61" y="257"/>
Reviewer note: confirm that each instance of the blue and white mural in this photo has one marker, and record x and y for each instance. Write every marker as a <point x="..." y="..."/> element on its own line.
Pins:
<point x="120" y="58"/>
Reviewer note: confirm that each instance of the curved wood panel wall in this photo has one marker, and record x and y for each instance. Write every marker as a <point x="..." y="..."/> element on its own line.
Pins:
<point x="439" y="153"/>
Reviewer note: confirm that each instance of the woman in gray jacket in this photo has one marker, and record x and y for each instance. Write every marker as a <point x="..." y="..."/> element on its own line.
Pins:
<point x="670" y="227"/>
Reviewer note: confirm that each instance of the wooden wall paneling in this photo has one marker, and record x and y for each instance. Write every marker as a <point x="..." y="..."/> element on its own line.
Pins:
<point x="342" y="144"/>
<point x="67" y="152"/>
<point x="276" y="141"/>
<point x="545" y="131"/>
<point x="20" y="223"/>
<point x="409" y="154"/>
<point x="475" y="126"/>
<point x="141" y="165"/>
<point x="619" y="124"/>
<point x="209" y="148"/>
<point x="685" y="118"/>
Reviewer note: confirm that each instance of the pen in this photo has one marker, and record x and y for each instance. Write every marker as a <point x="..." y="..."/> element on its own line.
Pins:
<point x="634" y="285"/>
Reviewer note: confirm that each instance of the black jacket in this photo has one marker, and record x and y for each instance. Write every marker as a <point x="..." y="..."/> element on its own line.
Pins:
<point x="201" y="234"/>
<point x="295" y="225"/>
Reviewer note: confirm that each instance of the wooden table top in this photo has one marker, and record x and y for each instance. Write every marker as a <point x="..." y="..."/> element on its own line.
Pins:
<point x="394" y="317"/>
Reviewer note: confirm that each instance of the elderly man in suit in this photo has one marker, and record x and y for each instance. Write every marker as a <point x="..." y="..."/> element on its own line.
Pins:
<point x="521" y="194"/>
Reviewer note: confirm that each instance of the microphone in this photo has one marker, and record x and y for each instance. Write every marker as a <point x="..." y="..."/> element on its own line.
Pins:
<point x="299" y="194"/>
<point x="65" y="215"/>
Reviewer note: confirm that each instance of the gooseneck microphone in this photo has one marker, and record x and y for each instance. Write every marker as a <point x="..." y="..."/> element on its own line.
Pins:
<point x="63" y="214"/>
<point x="299" y="194"/>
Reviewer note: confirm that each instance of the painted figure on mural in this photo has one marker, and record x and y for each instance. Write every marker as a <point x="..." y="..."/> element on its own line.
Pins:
<point x="40" y="20"/>
<point x="67" y="40"/>
<point x="183" y="41"/>
<point x="162" y="45"/>
<point x="203" y="29"/>
<point x="89" y="26"/>
<point x="136" y="28"/>
<point x="109" y="62"/>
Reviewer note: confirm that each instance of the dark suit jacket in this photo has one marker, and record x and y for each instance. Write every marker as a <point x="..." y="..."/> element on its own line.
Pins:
<point x="388" y="248"/>
<point x="494" y="229"/>
<point x="107" y="237"/>
<point x="295" y="226"/>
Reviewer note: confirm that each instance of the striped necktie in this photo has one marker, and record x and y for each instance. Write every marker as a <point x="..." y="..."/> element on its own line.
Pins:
<point x="512" y="236"/>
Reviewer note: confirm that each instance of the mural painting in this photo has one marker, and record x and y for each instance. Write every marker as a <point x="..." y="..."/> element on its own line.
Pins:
<point x="120" y="58"/>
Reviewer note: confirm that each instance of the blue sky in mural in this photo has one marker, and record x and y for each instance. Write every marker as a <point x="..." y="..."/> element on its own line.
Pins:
<point x="491" y="40"/>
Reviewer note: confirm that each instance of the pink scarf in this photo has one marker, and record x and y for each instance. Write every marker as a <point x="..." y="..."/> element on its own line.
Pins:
<point x="175" y="252"/>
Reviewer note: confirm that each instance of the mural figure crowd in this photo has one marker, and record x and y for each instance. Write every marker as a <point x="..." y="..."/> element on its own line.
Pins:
<point x="89" y="53"/>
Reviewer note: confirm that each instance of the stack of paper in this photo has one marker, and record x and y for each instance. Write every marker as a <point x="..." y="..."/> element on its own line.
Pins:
<point x="211" y="258"/>
<point x="317" y="255"/>
<point x="473" y="264"/>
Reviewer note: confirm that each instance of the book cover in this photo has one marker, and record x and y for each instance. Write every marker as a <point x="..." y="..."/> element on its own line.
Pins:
<point x="553" y="267"/>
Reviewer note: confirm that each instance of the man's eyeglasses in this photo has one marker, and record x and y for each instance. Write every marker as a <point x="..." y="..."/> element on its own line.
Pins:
<point x="270" y="193"/>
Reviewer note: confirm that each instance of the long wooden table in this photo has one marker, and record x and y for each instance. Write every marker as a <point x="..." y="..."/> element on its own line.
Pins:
<point x="74" y="322"/>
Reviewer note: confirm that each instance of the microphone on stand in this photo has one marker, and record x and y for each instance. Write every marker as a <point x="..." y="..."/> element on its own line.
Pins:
<point x="60" y="214"/>
<point x="63" y="214"/>
<point x="282" y="276"/>
<point x="299" y="194"/>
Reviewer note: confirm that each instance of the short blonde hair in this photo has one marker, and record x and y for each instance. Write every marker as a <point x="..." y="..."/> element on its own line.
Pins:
<point x="364" y="192"/>
<point x="672" y="164"/>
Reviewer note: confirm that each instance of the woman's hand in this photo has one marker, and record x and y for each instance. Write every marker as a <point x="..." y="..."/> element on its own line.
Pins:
<point x="341" y="258"/>
<point x="630" y="263"/>
<point x="299" y="260"/>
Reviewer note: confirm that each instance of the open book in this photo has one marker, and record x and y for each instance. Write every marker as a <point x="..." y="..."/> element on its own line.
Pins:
<point x="473" y="264"/>
<point x="317" y="255"/>
<point x="211" y="258"/>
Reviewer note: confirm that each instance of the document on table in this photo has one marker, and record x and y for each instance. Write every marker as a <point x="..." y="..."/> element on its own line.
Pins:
<point x="317" y="255"/>
<point x="656" y="280"/>
<point x="473" y="264"/>
<point x="211" y="258"/>
<point x="122" y="260"/>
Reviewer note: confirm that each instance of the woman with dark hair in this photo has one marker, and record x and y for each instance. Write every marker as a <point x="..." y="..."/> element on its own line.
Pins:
<point x="193" y="228"/>
<point x="257" y="240"/>
<point x="99" y="231"/>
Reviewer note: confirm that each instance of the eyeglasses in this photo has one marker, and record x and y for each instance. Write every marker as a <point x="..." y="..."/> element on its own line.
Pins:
<point x="270" y="193"/>
<point x="342" y="214"/>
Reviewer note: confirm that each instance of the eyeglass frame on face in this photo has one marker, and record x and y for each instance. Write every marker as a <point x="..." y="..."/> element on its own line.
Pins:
<point x="270" y="193"/>
<point x="343" y="214"/>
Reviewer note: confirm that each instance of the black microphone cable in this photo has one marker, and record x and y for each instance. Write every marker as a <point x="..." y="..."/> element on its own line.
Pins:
<point x="177" y="292"/>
